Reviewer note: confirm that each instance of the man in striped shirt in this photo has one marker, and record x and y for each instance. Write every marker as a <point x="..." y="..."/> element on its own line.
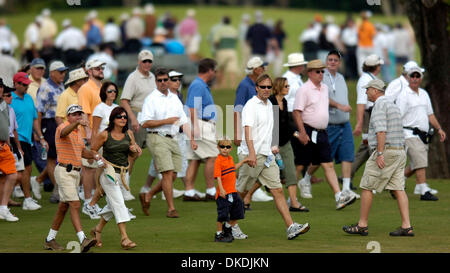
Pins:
<point x="386" y="165"/>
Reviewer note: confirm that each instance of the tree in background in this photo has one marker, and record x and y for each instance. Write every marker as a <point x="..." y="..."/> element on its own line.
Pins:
<point x="430" y="20"/>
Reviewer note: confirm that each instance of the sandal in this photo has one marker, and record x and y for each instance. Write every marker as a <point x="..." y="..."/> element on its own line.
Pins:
<point x="403" y="232"/>
<point x="247" y="207"/>
<point x="356" y="229"/>
<point x="301" y="208"/>
<point x="130" y="244"/>
<point x="98" y="238"/>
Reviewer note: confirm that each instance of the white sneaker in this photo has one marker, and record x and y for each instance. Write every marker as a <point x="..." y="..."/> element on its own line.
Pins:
<point x="346" y="198"/>
<point x="127" y="196"/>
<point x="200" y="194"/>
<point x="81" y="193"/>
<point x="175" y="194"/>
<point x="418" y="191"/>
<point x="354" y="193"/>
<point x="90" y="211"/>
<point x="237" y="232"/>
<point x="35" y="187"/>
<point x="97" y="208"/>
<point x="296" y="229"/>
<point x="305" y="188"/>
<point x="18" y="193"/>
<point x="260" y="196"/>
<point x="30" y="204"/>
<point x="132" y="216"/>
<point x="7" y="215"/>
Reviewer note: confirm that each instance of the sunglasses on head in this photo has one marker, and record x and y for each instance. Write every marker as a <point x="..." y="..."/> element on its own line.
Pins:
<point x="147" y="61"/>
<point x="225" y="146"/>
<point x="111" y="90"/>
<point x="7" y="95"/>
<point x="163" y="80"/>
<point x="320" y="71"/>
<point x="265" y="86"/>
<point x="121" y="117"/>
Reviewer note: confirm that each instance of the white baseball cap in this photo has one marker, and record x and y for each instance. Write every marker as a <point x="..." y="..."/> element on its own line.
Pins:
<point x="58" y="65"/>
<point x="93" y="63"/>
<point x="373" y="60"/>
<point x="255" y="62"/>
<point x="145" y="55"/>
<point x="411" y="64"/>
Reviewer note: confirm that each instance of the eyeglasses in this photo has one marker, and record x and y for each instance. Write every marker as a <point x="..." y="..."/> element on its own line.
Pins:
<point x="111" y="90"/>
<point x="147" y="61"/>
<point x="415" y="76"/>
<point x="175" y="80"/>
<point x="121" y="117"/>
<point x="265" y="86"/>
<point x="7" y="95"/>
<point x="163" y="80"/>
<point x="320" y="71"/>
<point x="223" y="146"/>
<point x="333" y="60"/>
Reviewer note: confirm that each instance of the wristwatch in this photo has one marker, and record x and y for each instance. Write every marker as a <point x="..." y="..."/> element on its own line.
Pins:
<point x="41" y="137"/>
<point x="296" y="133"/>
<point x="379" y="153"/>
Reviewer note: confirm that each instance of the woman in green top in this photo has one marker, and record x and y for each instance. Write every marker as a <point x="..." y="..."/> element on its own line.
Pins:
<point x="118" y="143"/>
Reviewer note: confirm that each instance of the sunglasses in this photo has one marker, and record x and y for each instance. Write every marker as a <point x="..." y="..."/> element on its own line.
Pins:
<point x="121" y="117"/>
<point x="320" y="71"/>
<point x="163" y="80"/>
<point x="110" y="91"/>
<point x="415" y="76"/>
<point x="223" y="146"/>
<point x="287" y="86"/>
<point x="147" y="61"/>
<point x="175" y="80"/>
<point x="7" y="95"/>
<point x="98" y="68"/>
<point x="265" y="86"/>
<point x="24" y="85"/>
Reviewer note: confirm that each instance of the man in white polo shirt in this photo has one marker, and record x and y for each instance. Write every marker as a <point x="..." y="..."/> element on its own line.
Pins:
<point x="162" y="115"/>
<point x="257" y="123"/>
<point x="139" y="84"/>
<point x="417" y="113"/>
<point x="396" y="86"/>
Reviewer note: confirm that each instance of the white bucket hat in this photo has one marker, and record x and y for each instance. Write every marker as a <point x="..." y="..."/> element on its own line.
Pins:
<point x="295" y="59"/>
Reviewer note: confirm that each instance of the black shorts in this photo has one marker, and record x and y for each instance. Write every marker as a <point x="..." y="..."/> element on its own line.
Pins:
<point x="48" y="127"/>
<point x="312" y="153"/>
<point x="27" y="153"/>
<point x="227" y="211"/>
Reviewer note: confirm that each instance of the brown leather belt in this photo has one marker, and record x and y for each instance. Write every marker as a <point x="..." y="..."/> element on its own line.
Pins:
<point x="73" y="168"/>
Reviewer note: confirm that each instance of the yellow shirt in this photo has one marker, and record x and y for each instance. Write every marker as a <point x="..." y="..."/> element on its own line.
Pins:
<point x="88" y="98"/>
<point x="66" y="98"/>
<point x="33" y="88"/>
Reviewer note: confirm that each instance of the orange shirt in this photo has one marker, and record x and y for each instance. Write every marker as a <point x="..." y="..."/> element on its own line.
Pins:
<point x="366" y="33"/>
<point x="70" y="147"/>
<point x="89" y="98"/>
<point x="225" y="169"/>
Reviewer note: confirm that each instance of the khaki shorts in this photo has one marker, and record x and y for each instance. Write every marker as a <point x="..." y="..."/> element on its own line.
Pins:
<point x="227" y="60"/>
<point x="207" y="146"/>
<point x="391" y="177"/>
<point x="68" y="183"/>
<point x="267" y="176"/>
<point x="165" y="152"/>
<point x="417" y="152"/>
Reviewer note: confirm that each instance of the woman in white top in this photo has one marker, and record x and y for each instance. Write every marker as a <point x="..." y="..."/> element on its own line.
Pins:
<point x="108" y="94"/>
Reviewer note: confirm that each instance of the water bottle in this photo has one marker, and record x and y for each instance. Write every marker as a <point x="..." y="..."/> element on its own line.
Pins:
<point x="279" y="161"/>
<point x="43" y="152"/>
<point x="100" y="162"/>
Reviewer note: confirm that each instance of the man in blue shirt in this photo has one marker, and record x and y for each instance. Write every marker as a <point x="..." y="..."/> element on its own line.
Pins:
<point x="202" y="111"/>
<point x="26" y="116"/>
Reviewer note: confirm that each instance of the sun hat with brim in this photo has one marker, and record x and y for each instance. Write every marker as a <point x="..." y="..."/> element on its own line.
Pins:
<point x="295" y="59"/>
<point x="315" y="64"/>
<point x="415" y="70"/>
<point x="93" y="63"/>
<point x="377" y="84"/>
<point x="73" y="108"/>
<point x="21" y="77"/>
<point x="373" y="60"/>
<point x="58" y="66"/>
<point x="75" y="75"/>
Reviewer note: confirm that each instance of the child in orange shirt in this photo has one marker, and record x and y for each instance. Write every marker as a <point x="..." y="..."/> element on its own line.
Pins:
<point x="230" y="207"/>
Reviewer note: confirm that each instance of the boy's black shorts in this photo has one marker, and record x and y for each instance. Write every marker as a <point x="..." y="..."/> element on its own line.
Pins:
<point x="227" y="211"/>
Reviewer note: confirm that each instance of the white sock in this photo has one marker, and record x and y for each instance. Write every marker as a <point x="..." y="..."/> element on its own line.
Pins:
<point x="144" y="189"/>
<point x="227" y="225"/>
<point x="190" y="193"/>
<point x="51" y="235"/>
<point x="337" y="196"/>
<point x="211" y="191"/>
<point x="345" y="184"/>
<point x="307" y="177"/>
<point x="81" y="236"/>
<point x="3" y="207"/>
<point x="218" y="232"/>
<point x="87" y="201"/>
<point x="424" y="188"/>
<point x="28" y="199"/>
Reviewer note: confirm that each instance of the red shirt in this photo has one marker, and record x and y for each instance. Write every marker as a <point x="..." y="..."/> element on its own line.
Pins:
<point x="225" y="169"/>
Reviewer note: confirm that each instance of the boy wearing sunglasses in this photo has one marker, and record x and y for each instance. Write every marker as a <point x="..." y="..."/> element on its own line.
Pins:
<point x="230" y="207"/>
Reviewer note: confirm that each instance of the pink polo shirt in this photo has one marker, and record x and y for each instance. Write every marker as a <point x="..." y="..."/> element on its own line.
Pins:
<point x="313" y="103"/>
